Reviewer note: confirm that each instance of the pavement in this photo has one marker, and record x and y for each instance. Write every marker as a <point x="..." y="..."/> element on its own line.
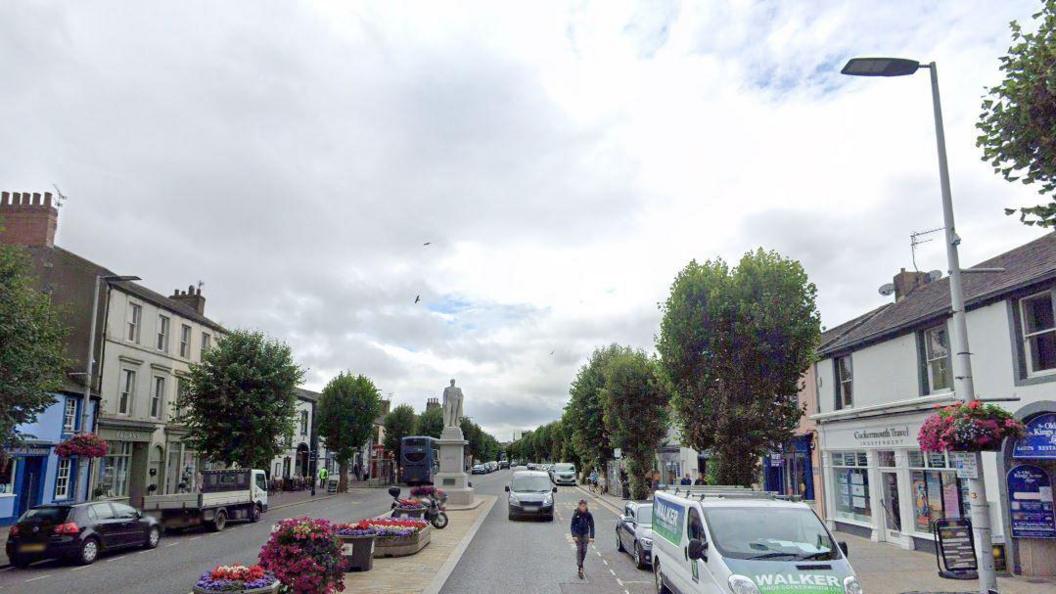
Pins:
<point x="180" y="559"/>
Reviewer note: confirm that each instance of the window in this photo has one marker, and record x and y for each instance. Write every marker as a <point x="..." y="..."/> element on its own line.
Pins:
<point x="115" y="472"/>
<point x="304" y="422"/>
<point x="738" y="533"/>
<point x="7" y="475"/>
<point x="128" y="392"/>
<point x="62" y="479"/>
<point x="844" y="382"/>
<point x="885" y="458"/>
<point x="102" y="511"/>
<point x="69" y="416"/>
<point x="135" y="316"/>
<point x="1039" y="333"/>
<point x="937" y="361"/>
<point x="937" y="492"/>
<point x="852" y="486"/>
<point x="163" y="333"/>
<point x="158" y="397"/>
<point x="181" y="394"/>
<point x="185" y="341"/>
<point x="206" y="343"/>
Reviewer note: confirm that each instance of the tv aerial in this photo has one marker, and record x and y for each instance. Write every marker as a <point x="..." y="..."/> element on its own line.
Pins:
<point x="887" y="289"/>
<point x="60" y="196"/>
<point x="915" y="240"/>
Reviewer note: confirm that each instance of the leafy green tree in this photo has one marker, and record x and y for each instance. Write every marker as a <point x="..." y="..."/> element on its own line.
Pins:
<point x="399" y="423"/>
<point x="32" y="343"/>
<point x="733" y="345"/>
<point x="240" y="400"/>
<point x="585" y="412"/>
<point x="1018" y="122"/>
<point x="431" y="422"/>
<point x="635" y="403"/>
<point x="347" y="410"/>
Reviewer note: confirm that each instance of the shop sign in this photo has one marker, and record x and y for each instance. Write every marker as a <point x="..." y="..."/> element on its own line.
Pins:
<point x="1030" y="503"/>
<point x="966" y="464"/>
<point x="957" y="548"/>
<point x="29" y="451"/>
<point x="883" y="436"/>
<point x="1040" y="441"/>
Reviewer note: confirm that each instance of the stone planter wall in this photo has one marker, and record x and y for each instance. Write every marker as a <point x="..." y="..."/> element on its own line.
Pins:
<point x="402" y="546"/>
<point x="269" y="590"/>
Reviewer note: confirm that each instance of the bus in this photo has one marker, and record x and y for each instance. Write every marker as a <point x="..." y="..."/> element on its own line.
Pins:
<point x="420" y="459"/>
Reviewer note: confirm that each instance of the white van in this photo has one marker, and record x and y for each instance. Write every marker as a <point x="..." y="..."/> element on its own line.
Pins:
<point x="737" y="541"/>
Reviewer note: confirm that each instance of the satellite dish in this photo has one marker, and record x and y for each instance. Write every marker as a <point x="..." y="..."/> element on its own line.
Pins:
<point x="887" y="289"/>
<point x="934" y="275"/>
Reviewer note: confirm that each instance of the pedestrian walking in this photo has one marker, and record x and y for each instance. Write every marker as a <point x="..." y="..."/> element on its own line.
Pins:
<point x="685" y="481"/>
<point x="358" y="471"/>
<point x="582" y="532"/>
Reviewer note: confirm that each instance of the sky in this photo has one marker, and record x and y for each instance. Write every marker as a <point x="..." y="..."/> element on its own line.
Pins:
<point x="563" y="160"/>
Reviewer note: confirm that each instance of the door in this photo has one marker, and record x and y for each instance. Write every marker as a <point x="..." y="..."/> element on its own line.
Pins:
<point x="106" y="525"/>
<point x="126" y="518"/>
<point x="33" y="467"/>
<point x="892" y="513"/>
<point x="626" y="531"/>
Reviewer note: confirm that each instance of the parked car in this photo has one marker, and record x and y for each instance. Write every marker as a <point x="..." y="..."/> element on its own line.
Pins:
<point x="478" y="469"/>
<point x="530" y="494"/>
<point x="563" y="474"/>
<point x="504" y="464"/>
<point x="532" y="466"/>
<point x="79" y="532"/>
<point x="634" y="532"/>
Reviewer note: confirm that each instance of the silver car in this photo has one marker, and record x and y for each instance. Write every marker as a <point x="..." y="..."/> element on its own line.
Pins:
<point x="530" y="494"/>
<point x="563" y="474"/>
<point x="634" y="532"/>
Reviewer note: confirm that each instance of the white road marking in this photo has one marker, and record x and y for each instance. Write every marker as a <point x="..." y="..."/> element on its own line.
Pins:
<point x="613" y="573"/>
<point x="619" y="581"/>
<point x="172" y="544"/>
<point x="195" y="537"/>
<point x="39" y="577"/>
<point x="79" y="568"/>
<point x="604" y="561"/>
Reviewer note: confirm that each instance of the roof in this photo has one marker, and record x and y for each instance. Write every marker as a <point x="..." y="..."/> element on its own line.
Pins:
<point x="1027" y="265"/>
<point x="308" y="395"/>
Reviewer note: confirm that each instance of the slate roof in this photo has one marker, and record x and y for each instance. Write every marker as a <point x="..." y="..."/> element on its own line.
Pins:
<point x="1027" y="265"/>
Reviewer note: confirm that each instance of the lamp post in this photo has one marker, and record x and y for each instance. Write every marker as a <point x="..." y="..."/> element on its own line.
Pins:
<point x="89" y="365"/>
<point x="964" y="386"/>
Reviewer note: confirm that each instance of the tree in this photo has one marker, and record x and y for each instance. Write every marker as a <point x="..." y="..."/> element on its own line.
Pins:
<point x="240" y="400"/>
<point x="347" y="410"/>
<point x="399" y="423"/>
<point x="635" y="403"/>
<point x="431" y="422"/>
<point x="585" y="412"/>
<point x="1018" y="122"/>
<point x="733" y="345"/>
<point x="32" y="343"/>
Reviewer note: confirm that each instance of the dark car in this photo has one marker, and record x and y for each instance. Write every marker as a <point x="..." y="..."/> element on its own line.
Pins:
<point x="504" y="464"/>
<point x="531" y="494"/>
<point x="634" y="532"/>
<point x="79" y="532"/>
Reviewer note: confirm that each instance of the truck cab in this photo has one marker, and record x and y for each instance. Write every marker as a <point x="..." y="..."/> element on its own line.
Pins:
<point x="731" y="540"/>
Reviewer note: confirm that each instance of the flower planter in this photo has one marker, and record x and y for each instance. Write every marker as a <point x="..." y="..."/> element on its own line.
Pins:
<point x="237" y="578"/>
<point x="274" y="587"/>
<point x="358" y="552"/>
<point x="401" y="546"/>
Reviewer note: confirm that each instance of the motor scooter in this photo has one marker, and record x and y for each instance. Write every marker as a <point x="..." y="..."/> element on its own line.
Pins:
<point x="435" y="510"/>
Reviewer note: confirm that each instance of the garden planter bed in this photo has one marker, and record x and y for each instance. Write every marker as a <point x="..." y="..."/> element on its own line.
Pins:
<point x="401" y="546"/>
<point x="267" y="590"/>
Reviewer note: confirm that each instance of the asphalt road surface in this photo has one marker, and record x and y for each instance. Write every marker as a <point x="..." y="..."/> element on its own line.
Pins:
<point x="180" y="559"/>
<point x="538" y="556"/>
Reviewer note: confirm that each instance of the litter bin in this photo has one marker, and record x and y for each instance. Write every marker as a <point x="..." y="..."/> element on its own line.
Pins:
<point x="358" y="552"/>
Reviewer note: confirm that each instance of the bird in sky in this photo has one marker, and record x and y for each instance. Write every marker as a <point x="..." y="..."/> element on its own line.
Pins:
<point x="417" y="298"/>
<point x="428" y="243"/>
<point x="551" y="353"/>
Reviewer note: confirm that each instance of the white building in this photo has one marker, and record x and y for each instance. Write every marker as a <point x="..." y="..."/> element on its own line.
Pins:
<point x="295" y="461"/>
<point x="881" y="374"/>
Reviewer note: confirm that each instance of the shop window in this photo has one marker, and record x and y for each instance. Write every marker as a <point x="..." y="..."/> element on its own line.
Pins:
<point x="1039" y="333"/>
<point x="7" y="475"/>
<point x="885" y="458"/>
<point x="852" y="486"/>
<point x="115" y="472"/>
<point x="937" y="492"/>
<point x="938" y="372"/>
<point x="62" y="479"/>
<point x="844" y="382"/>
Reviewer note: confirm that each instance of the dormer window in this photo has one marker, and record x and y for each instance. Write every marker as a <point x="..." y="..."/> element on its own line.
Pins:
<point x="844" y="382"/>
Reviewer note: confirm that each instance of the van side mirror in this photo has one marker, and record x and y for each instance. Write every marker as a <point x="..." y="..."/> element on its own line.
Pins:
<point x="507" y="488"/>
<point x="698" y="549"/>
<point x="843" y="547"/>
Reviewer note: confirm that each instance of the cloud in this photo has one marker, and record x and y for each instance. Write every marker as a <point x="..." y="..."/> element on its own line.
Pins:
<point x="564" y="161"/>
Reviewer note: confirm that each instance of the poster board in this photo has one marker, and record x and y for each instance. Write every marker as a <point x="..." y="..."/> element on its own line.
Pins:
<point x="1030" y="502"/>
<point x="956" y="549"/>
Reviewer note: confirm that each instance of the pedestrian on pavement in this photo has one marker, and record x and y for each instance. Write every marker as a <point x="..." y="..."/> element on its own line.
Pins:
<point x="357" y="470"/>
<point x="594" y="478"/>
<point x="685" y="481"/>
<point x="699" y="481"/>
<point x="582" y="532"/>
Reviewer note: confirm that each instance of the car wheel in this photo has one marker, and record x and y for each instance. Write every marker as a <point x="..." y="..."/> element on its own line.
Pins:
<point x="254" y="516"/>
<point x="21" y="561"/>
<point x="89" y="551"/>
<point x="619" y="542"/>
<point x="638" y="556"/>
<point x="153" y="537"/>
<point x="510" y="515"/>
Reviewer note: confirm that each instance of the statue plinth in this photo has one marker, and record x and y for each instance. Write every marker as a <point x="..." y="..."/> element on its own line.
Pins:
<point x="452" y="478"/>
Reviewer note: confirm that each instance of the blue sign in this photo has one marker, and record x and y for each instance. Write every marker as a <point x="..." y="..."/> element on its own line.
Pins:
<point x="1040" y="441"/>
<point x="1030" y="503"/>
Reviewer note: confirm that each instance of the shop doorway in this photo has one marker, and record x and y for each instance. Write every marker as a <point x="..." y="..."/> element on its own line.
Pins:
<point x="892" y="513"/>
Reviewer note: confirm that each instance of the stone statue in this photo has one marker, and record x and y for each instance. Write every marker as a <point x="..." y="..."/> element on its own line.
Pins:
<point x="452" y="405"/>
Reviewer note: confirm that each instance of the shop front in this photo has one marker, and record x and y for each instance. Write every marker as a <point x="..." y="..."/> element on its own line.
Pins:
<point x="181" y="466"/>
<point x="879" y="485"/>
<point x="1027" y="492"/>
<point x="123" y="472"/>
<point x="790" y="470"/>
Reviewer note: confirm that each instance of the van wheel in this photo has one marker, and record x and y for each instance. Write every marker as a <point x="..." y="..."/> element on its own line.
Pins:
<point x="661" y="587"/>
<point x="254" y="516"/>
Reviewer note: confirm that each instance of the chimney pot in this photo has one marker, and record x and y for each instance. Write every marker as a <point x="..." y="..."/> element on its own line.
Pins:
<point x="907" y="282"/>
<point x="29" y="219"/>
<point x="36" y="198"/>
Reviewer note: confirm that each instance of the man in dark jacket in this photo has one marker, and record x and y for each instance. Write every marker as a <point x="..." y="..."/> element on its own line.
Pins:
<point x="582" y="532"/>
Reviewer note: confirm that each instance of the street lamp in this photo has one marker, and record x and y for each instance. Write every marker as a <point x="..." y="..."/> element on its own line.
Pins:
<point x="90" y="361"/>
<point x="964" y="386"/>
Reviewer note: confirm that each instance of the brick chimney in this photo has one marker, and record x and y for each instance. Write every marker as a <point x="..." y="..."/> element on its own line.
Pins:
<point x="432" y="403"/>
<point x="27" y="220"/>
<point x="907" y="281"/>
<point x="192" y="298"/>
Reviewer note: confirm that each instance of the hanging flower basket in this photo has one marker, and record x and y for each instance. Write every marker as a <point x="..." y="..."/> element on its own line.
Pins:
<point x="237" y="578"/>
<point x="83" y="445"/>
<point x="305" y="555"/>
<point x="972" y="427"/>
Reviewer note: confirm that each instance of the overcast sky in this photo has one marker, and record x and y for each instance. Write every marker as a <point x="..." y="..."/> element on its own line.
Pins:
<point x="565" y="161"/>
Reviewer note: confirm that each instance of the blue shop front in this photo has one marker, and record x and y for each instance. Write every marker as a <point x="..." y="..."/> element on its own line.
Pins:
<point x="31" y="473"/>
<point x="790" y="471"/>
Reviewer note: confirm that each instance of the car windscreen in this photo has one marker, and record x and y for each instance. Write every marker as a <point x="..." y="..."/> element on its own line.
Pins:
<point x="759" y="533"/>
<point x="564" y="468"/>
<point x="46" y="515"/>
<point x="645" y="515"/>
<point x="536" y="484"/>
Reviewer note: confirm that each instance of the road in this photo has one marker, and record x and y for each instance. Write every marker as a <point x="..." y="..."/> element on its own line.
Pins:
<point x="180" y="559"/>
<point x="539" y="557"/>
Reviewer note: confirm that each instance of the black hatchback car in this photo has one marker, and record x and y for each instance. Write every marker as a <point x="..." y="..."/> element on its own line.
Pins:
<point x="79" y="532"/>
